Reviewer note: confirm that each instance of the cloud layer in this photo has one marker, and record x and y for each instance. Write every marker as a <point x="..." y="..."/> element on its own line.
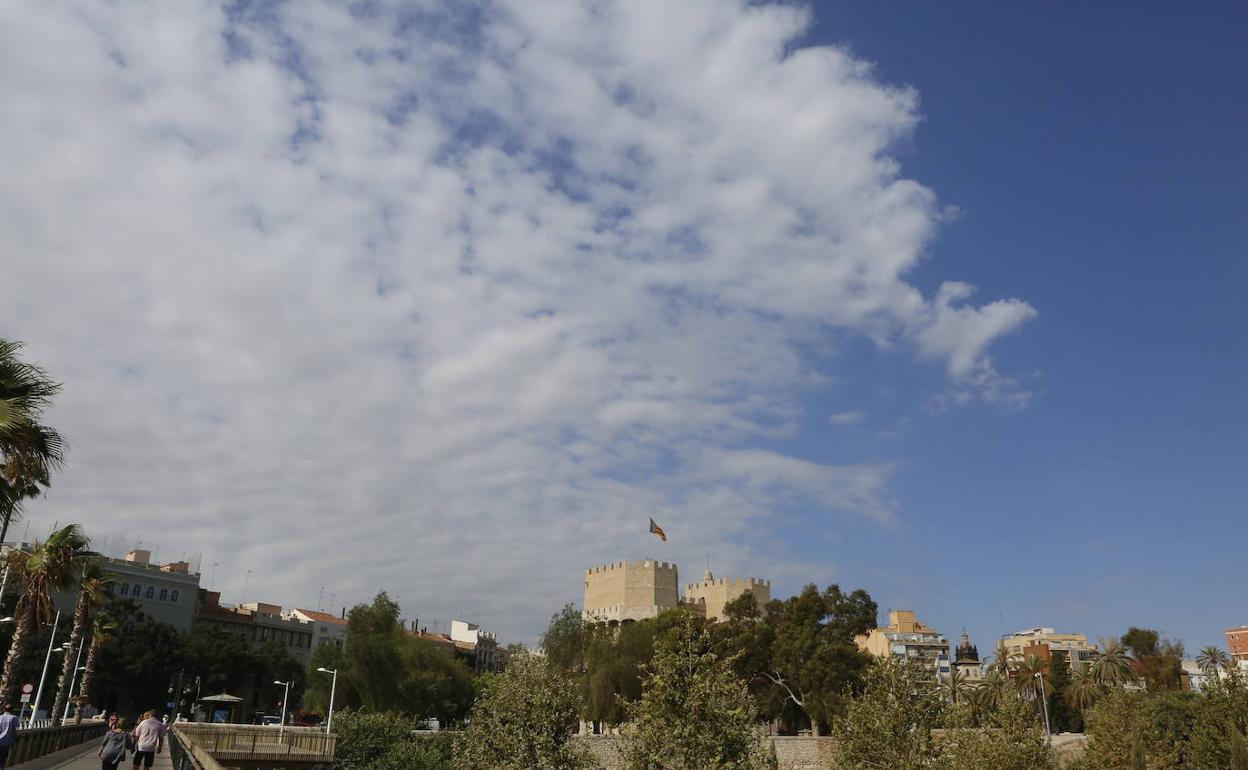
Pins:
<point x="447" y="298"/>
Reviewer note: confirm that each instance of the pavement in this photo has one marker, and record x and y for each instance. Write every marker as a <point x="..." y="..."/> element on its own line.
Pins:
<point x="85" y="758"/>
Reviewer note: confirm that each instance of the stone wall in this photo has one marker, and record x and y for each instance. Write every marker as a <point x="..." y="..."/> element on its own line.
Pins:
<point x="630" y="590"/>
<point x="804" y="752"/>
<point x="793" y="752"/>
<point x="713" y="594"/>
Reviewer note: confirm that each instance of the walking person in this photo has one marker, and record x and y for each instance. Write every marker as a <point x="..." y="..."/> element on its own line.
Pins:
<point x="8" y="733"/>
<point x="149" y="738"/>
<point x="116" y="742"/>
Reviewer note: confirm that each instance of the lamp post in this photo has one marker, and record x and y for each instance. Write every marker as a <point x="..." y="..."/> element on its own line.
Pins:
<point x="281" y="727"/>
<point x="333" y="688"/>
<point x="74" y="680"/>
<point x="1044" y="701"/>
<point x="39" y="693"/>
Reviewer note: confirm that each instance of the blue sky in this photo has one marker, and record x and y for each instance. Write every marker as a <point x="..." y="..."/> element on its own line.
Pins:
<point x="1098" y="158"/>
<point x="943" y="301"/>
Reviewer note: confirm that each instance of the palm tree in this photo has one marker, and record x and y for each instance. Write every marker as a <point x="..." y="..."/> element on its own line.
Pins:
<point x="993" y="689"/>
<point x="1033" y="678"/>
<point x="1112" y="667"/>
<point x="49" y="567"/>
<point x="103" y="630"/>
<point x="91" y="582"/>
<point x="28" y="451"/>
<point x="979" y="699"/>
<point x="955" y="686"/>
<point x="1002" y="662"/>
<point x="1083" y="689"/>
<point x="1211" y="660"/>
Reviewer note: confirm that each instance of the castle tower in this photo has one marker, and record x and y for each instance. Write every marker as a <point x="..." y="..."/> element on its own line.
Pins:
<point x="629" y="591"/>
<point x="713" y="594"/>
<point x="966" y="660"/>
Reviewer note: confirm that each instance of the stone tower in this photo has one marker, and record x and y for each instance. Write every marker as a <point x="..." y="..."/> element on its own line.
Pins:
<point x="713" y="594"/>
<point x="629" y="590"/>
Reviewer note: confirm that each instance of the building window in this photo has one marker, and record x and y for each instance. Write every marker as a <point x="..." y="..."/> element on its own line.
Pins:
<point x="125" y="589"/>
<point x="137" y="591"/>
<point x="151" y="592"/>
<point x="173" y="597"/>
<point x="164" y="594"/>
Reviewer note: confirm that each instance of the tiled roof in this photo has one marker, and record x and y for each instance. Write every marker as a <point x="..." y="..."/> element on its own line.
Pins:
<point x="323" y="617"/>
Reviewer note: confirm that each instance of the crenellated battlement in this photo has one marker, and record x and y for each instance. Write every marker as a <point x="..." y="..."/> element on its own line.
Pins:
<point x="660" y="566"/>
<point x="745" y="584"/>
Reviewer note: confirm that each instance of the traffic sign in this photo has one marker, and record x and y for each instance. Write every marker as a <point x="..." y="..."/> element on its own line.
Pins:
<point x="28" y="688"/>
<point x="25" y="697"/>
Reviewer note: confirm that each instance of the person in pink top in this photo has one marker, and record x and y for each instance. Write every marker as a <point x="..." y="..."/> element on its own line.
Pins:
<point x="149" y="738"/>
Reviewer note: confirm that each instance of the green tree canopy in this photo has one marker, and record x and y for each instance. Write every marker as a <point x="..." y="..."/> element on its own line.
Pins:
<point x="811" y="655"/>
<point x="523" y="720"/>
<point x="695" y="713"/>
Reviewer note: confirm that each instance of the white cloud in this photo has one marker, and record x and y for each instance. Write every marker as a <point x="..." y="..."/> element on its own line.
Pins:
<point x="847" y="418"/>
<point x="447" y="301"/>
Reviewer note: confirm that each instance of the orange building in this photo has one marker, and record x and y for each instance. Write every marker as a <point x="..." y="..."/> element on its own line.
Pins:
<point x="1237" y="642"/>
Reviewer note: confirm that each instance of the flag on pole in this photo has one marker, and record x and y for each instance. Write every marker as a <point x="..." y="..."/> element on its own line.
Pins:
<point x="655" y="529"/>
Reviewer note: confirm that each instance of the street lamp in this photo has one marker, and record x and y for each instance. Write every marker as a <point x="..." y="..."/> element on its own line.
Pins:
<point x="1045" y="702"/>
<point x="74" y="680"/>
<point x="39" y="694"/>
<point x="281" y="728"/>
<point x="333" y="687"/>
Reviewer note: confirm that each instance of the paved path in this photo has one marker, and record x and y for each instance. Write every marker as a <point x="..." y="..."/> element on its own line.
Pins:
<point x="86" y="759"/>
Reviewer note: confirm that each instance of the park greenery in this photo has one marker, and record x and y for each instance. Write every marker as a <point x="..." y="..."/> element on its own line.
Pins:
<point x="384" y="668"/>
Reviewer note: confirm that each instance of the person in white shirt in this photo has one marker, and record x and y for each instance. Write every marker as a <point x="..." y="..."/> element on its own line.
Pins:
<point x="149" y="739"/>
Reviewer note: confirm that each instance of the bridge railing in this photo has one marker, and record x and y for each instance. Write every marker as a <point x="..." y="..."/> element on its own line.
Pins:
<point x="229" y="744"/>
<point x="188" y="756"/>
<point x="41" y="741"/>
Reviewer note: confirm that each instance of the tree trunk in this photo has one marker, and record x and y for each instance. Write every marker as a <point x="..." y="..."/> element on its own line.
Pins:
<point x="814" y="728"/>
<point x="17" y="651"/>
<point x="87" y="674"/>
<point x="81" y="610"/>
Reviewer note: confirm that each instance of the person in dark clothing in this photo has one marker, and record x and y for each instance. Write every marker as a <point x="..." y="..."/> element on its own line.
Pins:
<point x="116" y="742"/>
<point x="8" y="733"/>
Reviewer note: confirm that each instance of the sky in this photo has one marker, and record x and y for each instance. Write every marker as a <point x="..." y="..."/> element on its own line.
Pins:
<point x="943" y="301"/>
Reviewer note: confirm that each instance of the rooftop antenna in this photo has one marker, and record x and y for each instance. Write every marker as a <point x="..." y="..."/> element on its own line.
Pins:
<point x="212" y="581"/>
<point x="246" y="583"/>
<point x="320" y="600"/>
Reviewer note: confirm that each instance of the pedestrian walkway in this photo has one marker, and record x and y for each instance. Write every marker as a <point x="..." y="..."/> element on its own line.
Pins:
<point x="86" y="759"/>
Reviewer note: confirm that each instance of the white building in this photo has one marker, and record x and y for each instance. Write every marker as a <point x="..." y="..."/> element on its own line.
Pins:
<point x="479" y="647"/>
<point x="326" y="628"/>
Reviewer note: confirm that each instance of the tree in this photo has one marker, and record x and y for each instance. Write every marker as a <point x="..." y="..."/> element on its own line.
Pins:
<point x="695" y="713"/>
<point x="103" y="630"/>
<point x="955" y="686"/>
<point x="49" y="567"/>
<point x="1010" y="738"/>
<point x="1032" y="678"/>
<point x="890" y="724"/>
<point x="812" y="656"/>
<point x="1112" y="666"/>
<point x="1212" y="660"/>
<point x="91" y="582"/>
<point x="29" y="451"/>
<point x="613" y="663"/>
<point x="1064" y="717"/>
<point x="134" y="673"/>
<point x="994" y="689"/>
<point x="316" y="697"/>
<point x="1163" y="670"/>
<point x="372" y="651"/>
<point x="1083" y="689"/>
<point x="523" y="720"/>
<point x="433" y="683"/>
<point x="566" y="640"/>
